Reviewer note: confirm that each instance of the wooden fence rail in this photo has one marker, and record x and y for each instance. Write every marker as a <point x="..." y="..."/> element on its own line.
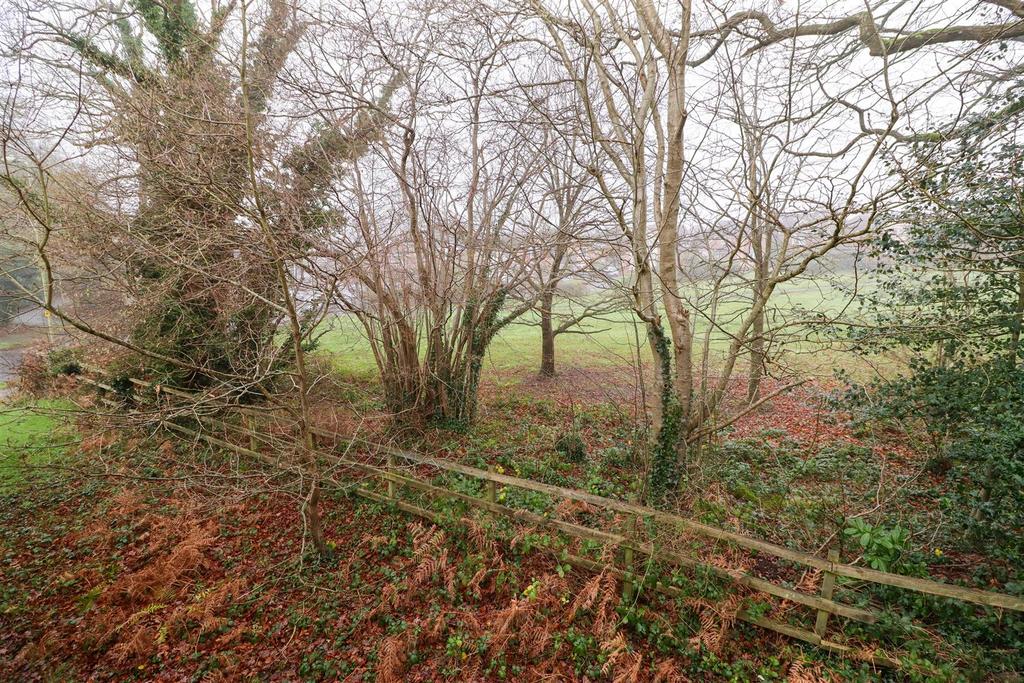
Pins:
<point x="395" y="479"/>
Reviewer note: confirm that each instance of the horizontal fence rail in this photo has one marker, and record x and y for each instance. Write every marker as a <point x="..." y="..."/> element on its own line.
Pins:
<point x="394" y="481"/>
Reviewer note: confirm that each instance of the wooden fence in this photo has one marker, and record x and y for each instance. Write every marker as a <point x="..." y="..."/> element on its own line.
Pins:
<point x="396" y="472"/>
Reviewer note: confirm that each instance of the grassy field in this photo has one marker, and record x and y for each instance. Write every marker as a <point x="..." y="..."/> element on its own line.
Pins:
<point x="612" y="340"/>
<point x="30" y="436"/>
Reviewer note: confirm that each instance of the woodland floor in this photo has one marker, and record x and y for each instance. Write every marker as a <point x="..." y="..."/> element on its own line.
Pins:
<point x="147" y="571"/>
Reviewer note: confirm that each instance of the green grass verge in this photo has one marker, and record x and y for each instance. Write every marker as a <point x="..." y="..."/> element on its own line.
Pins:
<point x="31" y="435"/>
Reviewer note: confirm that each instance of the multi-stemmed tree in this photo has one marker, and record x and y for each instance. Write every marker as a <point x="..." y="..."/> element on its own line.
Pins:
<point x="438" y="229"/>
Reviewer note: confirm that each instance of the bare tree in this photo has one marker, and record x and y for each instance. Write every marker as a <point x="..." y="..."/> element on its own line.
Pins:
<point x="805" y="176"/>
<point x="574" y="237"/>
<point x="437" y="229"/>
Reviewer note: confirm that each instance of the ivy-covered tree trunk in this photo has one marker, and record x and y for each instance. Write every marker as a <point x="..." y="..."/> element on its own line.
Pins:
<point x="200" y="283"/>
<point x="670" y="440"/>
<point x="1017" y="322"/>
<point x="673" y="352"/>
<point x="461" y="390"/>
<point x="443" y="385"/>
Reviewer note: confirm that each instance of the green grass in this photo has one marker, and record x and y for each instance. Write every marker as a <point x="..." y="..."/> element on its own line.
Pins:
<point x="31" y="435"/>
<point x="612" y="340"/>
<point x="608" y="342"/>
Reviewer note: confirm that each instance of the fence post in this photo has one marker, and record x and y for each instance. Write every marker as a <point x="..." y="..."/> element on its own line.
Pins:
<point x="828" y="585"/>
<point x="392" y="488"/>
<point x="247" y="422"/>
<point x="628" y="584"/>
<point x="492" y="487"/>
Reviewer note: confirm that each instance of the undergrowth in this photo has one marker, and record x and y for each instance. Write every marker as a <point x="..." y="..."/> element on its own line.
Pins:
<point x="150" y="581"/>
<point x="206" y="580"/>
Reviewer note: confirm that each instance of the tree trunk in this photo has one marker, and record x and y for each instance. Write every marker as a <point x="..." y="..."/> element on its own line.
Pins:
<point x="757" y="357"/>
<point x="670" y="441"/>
<point x="547" y="337"/>
<point x="760" y="253"/>
<point x="311" y="516"/>
<point x="673" y="352"/>
<point x="1018" y="321"/>
<point x="757" y="328"/>
<point x="677" y="404"/>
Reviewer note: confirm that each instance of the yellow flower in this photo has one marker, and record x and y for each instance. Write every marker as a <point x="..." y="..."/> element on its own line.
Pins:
<point x="938" y="552"/>
<point x="499" y="469"/>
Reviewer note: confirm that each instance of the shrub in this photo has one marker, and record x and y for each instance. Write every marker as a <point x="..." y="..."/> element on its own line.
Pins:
<point x="63" y="361"/>
<point x="973" y="414"/>
<point x="571" y="446"/>
<point x="34" y="378"/>
<point x="42" y="364"/>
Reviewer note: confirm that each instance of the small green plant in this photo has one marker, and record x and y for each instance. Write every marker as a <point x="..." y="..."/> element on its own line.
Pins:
<point x="586" y="653"/>
<point x="318" y="666"/>
<point x="614" y="456"/>
<point x="530" y="592"/>
<point x="883" y="547"/>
